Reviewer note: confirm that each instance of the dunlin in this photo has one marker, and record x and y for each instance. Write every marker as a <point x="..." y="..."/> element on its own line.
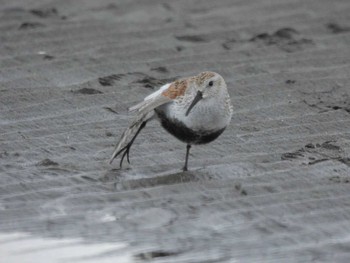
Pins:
<point x="196" y="110"/>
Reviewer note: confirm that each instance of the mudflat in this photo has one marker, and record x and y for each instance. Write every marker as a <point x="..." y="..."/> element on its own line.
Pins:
<point x="274" y="187"/>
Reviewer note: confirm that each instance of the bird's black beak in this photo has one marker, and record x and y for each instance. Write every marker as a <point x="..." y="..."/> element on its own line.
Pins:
<point x="198" y="97"/>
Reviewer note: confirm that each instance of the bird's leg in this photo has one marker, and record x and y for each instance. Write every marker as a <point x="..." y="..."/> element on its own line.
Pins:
<point x="126" y="149"/>
<point x="188" y="147"/>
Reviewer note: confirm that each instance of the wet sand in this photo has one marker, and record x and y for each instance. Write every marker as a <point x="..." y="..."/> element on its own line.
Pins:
<point x="273" y="188"/>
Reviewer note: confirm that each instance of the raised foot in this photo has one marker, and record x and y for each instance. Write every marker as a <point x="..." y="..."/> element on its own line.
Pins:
<point x="125" y="150"/>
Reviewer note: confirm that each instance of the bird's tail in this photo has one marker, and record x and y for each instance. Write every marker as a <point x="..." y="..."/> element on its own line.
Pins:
<point x="130" y="134"/>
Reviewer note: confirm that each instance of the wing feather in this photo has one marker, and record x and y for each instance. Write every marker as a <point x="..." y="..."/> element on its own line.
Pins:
<point x="165" y="94"/>
<point x="150" y="98"/>
<point x="144" y="113"/>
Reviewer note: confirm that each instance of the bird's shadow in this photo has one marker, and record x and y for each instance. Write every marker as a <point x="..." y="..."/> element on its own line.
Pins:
<point x="123" y="180"/>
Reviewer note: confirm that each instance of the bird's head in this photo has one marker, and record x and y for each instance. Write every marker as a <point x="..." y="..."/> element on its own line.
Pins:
<point x="206" y="85"/>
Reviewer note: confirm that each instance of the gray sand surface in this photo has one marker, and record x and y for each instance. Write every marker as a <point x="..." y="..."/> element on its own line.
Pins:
<point x="275" y="187"/>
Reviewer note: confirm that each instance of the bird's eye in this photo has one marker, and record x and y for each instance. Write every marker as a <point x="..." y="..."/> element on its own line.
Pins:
<point x="211" y="83"/>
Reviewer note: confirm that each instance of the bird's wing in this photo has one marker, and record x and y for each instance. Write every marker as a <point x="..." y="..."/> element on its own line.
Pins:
<point x="153" y="100"/>
<point x="165" y="94"/>
<point x="144" y="112"/>
<point x="130" y="134"/>
<point x="159" y="91"/>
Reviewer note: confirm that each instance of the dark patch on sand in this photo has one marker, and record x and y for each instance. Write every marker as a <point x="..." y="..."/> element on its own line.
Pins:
<point x="112" y="6"/>
<point x="292" y="155"/>
<point x="30" y="25"/>
<point x="310" y="146"/>
<point x="345" y="161"/>
<point x="339" y="179"/>
<point x="290" y="81"/>
<point x="47" y="162"/>
<point x="88" y="178"/>
<point x="88" y="91"/>
<point x="137" y="77"/>
<point x="167" y="6"/>
<point x="337" y="29"/>
<point x="346" y="108"/>
<point x="240" y="189"/>
<point x="48" y="57"/>
<point x="109" y="80"/>
<point x="160" y="69"/>
<point x="330" y="146"/>
<point x="45" y="13"/>
<point x="312" y="153"/>
<point x="281" y="34"/>
<point x="328" y="100"/>
<point x="105" y="7"/>
<point x="155" y="254"/>
<point x="249" y="128"/>
<point x="4" y="154"/>
<point x="179" y="48"/>
<point x="14" y="10"/>
<point x="111" y="110"/>
<point x="318" y="161"/>
<point x="151" y="82"/>
<point x="169" y="20"/>
<point x="229" y="44"/>
<point x="109" y="134"/>
<point x="286" y="39"/>
<point x="192" y="38"/>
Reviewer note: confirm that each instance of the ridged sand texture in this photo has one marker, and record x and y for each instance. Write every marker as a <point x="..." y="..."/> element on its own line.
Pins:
<point x="274" y="187"/>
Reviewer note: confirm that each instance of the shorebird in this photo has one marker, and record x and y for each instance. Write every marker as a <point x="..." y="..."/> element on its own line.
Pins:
<point x="196" y="110"/>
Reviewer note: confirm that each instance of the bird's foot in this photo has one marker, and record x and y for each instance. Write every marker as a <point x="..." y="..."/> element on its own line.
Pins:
<point x="125" y="150"/>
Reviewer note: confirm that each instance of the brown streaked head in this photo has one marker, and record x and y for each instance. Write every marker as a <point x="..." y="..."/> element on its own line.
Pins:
<point x="203" y="77"/>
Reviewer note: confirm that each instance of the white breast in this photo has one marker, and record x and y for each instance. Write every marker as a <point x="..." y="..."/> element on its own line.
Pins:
<point x="209" y="114"/>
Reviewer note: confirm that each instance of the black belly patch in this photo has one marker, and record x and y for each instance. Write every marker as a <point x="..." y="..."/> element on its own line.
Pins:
<point x="181" y="132"/>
